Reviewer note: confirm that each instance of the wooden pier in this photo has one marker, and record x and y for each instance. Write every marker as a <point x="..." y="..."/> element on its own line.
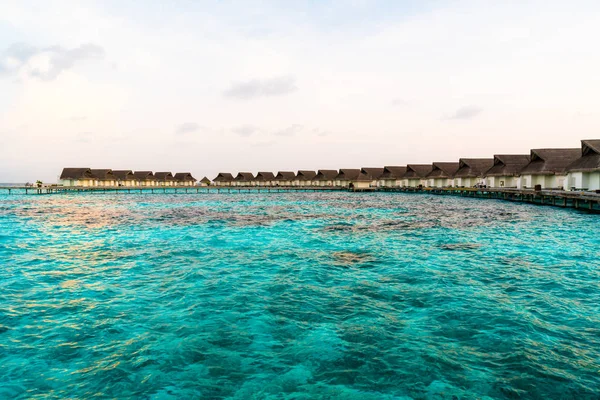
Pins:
<point x="585" y="201"/>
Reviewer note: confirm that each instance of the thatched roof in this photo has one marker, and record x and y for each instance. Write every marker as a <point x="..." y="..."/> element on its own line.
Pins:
<point x="508" y="165"/>
<point x="550" y="161"/>
<point x="265" y="176"/>
<point x="285" y="176"/>
<point x="76" y="173"/>
<point x="143" y="175"/>
<point x="393" y="172"/>
<point x="163" y="176"/>
<point x="244" y="177"/>
<point x="205" y="180"/>
<point x="347" y="174"/>
<point x="103" y="174"/>
<point x="373" y="172"/>
<point x="326" y="175"/>
<point x="184" y="177"/>
<point x="590" y="157"/>
<point x="443" y="170"/>
<point x="223" y="177"/>
<point x="590" y="145"/>
<point x="123" y="175"/>
<point x="304" y="175"/>
<point x="473" y="167"/>
<point x="417" y="171"/>
<point x="363" y="177"/>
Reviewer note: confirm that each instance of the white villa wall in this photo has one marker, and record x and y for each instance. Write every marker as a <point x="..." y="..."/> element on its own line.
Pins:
<point x="546" y="181"/>
<point x="77" y="182"/>
<point x="583" y="180"/>
<point x="390" y="183"/>
<point x="68" y="182"/>
<point x="439" y="182"/>
<point x="361" y="184"/>
<point x="415" y="182"/>
<point x="593" y="180"/>
<point x="496" y="181"/>
<point x="467" y="182"/>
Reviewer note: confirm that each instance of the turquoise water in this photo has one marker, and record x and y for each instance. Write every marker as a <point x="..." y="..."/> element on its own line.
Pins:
<point x="297" y="296"/>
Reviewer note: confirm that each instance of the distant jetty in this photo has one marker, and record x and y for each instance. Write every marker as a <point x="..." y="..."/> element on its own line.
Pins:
<point x="558" y="177"/>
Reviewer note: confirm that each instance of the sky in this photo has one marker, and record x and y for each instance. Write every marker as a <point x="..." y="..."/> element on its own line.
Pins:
<point x="257" y="85"/>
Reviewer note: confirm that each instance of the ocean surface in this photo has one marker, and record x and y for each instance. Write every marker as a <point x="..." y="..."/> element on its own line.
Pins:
<point x="297" y="296"/>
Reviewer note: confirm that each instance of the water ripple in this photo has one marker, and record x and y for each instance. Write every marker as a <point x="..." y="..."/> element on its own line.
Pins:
<point x="297" y="296"/>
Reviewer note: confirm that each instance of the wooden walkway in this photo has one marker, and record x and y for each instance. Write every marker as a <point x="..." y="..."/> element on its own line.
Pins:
<point x="586" y="201"/>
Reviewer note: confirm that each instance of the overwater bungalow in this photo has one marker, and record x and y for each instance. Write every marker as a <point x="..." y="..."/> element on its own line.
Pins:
<point x="77" y="177"/>
<point x="164" y="179"/>
<point x="506" y="170"/>
<point x="284" y="178"/>
<point x="584" y="173"/>
<point x="471" y="171"/>
<point x="374" y="172"/>
<point x="223" y="179"/>
<point x="391" y="176"/>
<point x="442" y="174"/>
<point x="184" y="179"/>
<point x="547" y="168"/>
<point x="416" y="175"/>
<point x="264" y="179"/>
<point x="243" y="179"/>
<point x="124" y="178"/>
<point x="304" y="178"/>
<point x="104" y="177"/>
<point x="346" y="176"/>
<point x="362" y="181"/>
<point x="325" y="177"/>
<point x="144" y="178"/>
<point x="204" y="182"/>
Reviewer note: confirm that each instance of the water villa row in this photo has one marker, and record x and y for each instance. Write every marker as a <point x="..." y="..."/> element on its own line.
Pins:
<point x="88" y="177"/>
<point x="576" y="169"/>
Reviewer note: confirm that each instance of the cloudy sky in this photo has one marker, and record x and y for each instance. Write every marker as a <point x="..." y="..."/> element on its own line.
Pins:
<point x="209" y="86"/>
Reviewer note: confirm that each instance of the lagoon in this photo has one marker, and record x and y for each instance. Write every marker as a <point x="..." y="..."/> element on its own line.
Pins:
<point x="297" y="295"/>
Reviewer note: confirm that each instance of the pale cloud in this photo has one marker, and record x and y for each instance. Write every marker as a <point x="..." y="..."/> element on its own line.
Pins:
<point x="466" y="112"/>
<point x="320" y="132"/>
<point x="187" y="127"/>
<point x="400" y="102"/>
<point x="84" y="137"/>
<point x="264" y="144"/>
<point x="45" y="63"/>
<point x="278" y="86"/>
<point x="291" y="130"/>
<point x="245" y="130"/>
